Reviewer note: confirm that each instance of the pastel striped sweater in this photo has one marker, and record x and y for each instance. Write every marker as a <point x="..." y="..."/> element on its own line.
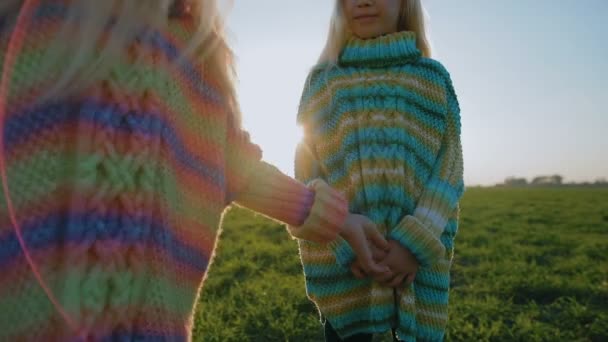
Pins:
<point x="383" y="126"/>
<point x="119" y="190"/>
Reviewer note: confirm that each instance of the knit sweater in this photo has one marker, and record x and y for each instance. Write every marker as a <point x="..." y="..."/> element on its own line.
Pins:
<point x="383" y="126"/>
<point x="118" y="190"/>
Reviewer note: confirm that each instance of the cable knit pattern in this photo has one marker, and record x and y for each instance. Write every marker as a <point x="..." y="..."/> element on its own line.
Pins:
<point x="119" y="191"/>
<point x="383" y="126"/>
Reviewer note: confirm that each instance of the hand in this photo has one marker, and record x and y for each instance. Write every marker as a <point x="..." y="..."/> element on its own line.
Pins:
<point x="378" y="255"/>
<point x="402" y="263"/>
<point x="361" y="233"/>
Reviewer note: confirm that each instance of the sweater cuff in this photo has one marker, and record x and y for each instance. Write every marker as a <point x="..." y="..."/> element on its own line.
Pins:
<point x="327" y="215"/>
<point x="412" y="234"/>
<point x="277" y="196"/>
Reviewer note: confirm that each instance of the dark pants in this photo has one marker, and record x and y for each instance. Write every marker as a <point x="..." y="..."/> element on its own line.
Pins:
<point x="332" y="336"/>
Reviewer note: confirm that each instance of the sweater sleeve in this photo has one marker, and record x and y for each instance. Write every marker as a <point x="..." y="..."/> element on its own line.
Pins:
<point x="318" y="213"/>
<point x="307" y="166"/>
<point x="421" y="231"/>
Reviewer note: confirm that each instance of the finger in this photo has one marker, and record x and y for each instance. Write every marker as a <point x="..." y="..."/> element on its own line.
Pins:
<point x="384" y="269"/>
<point x="361" y="246"/>
<point x="378" y="254"/>
<point x="371" y="267"/>
<point x="322" y="238"/>
<point x="357" y="271"/>
<point x="364" y="255"/>
<point x="397" y="280"/>
<point x="375" y="236"/>
<point x="328" y="235"/>
<point x="363" y="252"/>
<point x="384" y="277"/>
<point x="410" y="279"/>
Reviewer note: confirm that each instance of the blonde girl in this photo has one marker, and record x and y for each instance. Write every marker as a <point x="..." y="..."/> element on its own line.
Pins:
<point x="382" y="124"/>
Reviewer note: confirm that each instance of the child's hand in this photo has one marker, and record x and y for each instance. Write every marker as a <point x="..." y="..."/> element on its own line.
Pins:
<point x="402" y="263"/>
<point x="361" y="233"/>
<point x="378" y="255"/>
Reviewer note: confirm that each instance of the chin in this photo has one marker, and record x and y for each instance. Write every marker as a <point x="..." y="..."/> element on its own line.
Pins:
<point x="367" y="35"/>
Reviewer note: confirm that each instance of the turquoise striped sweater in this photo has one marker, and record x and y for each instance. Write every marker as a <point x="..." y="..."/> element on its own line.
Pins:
<point x="383" y="127"/>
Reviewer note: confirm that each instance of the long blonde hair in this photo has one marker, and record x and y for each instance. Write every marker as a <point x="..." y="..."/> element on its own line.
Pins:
<point x="411" y="18"/>
<point x="84" y="46"/>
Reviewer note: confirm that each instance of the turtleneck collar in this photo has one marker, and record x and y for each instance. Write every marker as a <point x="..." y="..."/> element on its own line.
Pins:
<point x="391" y="49"/>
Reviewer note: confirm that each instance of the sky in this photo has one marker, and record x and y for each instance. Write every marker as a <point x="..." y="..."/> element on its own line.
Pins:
<point x="531" y="78"/>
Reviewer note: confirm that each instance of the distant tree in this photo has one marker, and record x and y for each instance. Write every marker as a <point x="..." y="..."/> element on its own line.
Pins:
<point x="548" y="180"/>
<point x="540" y="180"/>
<point x="515" y="181"/>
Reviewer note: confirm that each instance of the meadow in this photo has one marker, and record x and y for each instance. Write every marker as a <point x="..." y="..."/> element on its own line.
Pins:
<point x="531" y="265"/>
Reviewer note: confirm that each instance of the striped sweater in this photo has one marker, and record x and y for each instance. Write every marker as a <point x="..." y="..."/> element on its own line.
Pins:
<point x="383" y="126"/>
<point x="118" y="191"/>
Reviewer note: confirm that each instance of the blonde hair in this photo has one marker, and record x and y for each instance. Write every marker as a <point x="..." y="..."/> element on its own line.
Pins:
<point x="83" y="48"/>
<point x="411" y="18"/>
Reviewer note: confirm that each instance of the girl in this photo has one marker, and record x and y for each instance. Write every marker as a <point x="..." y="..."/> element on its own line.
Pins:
<point x="120" y="148"/>
<point x="381" y="123"/>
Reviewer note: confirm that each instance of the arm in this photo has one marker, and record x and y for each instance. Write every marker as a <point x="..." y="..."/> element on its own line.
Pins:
<point x="318" y="213"/>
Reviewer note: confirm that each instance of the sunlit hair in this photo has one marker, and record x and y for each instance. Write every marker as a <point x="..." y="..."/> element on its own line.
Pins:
<point x="411" y="18"/>
<point x="84" y="47"/>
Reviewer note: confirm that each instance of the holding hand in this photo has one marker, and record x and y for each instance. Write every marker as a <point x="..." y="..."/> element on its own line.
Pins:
<point x="378" y="255"/>
<point x="364" y="238"/>
<point x="402" y="264"/>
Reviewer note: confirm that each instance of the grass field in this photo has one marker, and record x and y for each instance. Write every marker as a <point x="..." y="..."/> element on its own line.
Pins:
<point x="531" y="265"/>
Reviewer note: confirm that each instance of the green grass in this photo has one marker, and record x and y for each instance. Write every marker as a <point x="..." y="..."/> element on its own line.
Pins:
<point x="530" y="265"/>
